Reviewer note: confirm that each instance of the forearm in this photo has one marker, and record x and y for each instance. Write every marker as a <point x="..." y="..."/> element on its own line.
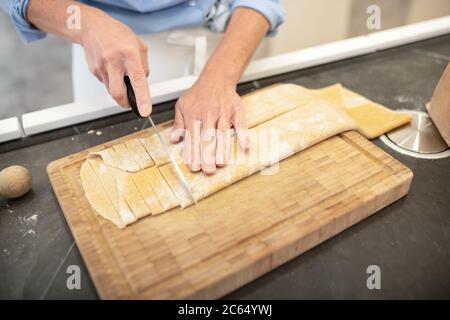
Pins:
<point x="244" y="33"/>
<point x="52" y="16"/>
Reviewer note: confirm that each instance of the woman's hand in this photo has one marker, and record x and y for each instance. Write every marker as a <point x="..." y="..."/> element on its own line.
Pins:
<point x="112" y="51"/>
<point x="205" y="114"/>
<point x="204" y="117"/>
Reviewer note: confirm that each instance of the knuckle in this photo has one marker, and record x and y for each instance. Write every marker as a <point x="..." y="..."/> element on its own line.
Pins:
<point x="95" y="70"/>
<point x="237" y="108"/>
<point x="117" y="94"/>
<point x="138" y="79"/>
<point x="109" y="57"/>
<point x="144" y="48"/>
<point x="133" y="57"/>
<point x="180" y="102"/>
<point x="210" y="114"/>
<point x="127" y="51"/>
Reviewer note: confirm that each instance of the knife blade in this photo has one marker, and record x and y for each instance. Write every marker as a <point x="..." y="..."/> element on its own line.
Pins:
<point x="132" y="101"/>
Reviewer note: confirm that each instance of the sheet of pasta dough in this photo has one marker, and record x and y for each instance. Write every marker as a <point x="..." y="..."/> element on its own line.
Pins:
<point x="296" y="130"/>
<point x="372" y="119"/>
<point x="260" y="106"/>
<point x="145" y="184"/>
<point x="134" y="179"/>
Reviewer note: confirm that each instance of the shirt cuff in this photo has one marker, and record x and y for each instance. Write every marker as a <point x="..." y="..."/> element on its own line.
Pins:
<point x="17" y="10"/>
<point x="270" y="9"/>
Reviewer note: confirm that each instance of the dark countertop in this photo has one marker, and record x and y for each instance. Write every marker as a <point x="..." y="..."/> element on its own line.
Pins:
<point x="409" y="240"/>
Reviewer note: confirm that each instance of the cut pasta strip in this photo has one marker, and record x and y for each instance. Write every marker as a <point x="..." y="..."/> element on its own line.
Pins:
<point x="170" y="175"/>
<point x="139" y="153"/>
<point x="145" y="189"/>
<point x="109" y="185"/>
<point x="128" y="189"/>
<point x="126" y="158"/>
<point x="109" y="157"/>
<point x="162" y="190"/>
<point x="157" y="152"/>
<point x="97" y="196"/>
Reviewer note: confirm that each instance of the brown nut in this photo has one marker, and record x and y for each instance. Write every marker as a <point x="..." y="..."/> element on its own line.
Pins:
<point x="15" y="181"/>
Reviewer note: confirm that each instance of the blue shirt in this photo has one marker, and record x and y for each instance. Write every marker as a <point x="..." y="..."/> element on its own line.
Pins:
<point x="151" y="16"/>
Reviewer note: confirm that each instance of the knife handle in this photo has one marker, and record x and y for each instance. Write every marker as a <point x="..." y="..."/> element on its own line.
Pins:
<point x="131" y="96"/>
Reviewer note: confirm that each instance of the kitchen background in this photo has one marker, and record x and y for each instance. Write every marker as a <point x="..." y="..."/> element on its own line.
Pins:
<point x="38" y="75"/>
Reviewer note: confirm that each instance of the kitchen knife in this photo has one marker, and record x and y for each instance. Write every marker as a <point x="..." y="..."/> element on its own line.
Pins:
<point x="132" y="101"/>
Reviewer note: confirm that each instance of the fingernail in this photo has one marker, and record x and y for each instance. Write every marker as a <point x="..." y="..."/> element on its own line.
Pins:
<point x="247" y="143"/>
<point x="220" y="161"/>
<point x="208" y="169"/>
<point x="195" y="167"/>
<point x="220" y="164"/>
<point x="175" y="136"/>
<point x="145" y="110"/>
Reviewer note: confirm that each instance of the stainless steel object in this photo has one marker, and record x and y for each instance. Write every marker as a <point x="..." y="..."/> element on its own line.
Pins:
<point x="419" y="139"/>
<point x="421" y="135"/>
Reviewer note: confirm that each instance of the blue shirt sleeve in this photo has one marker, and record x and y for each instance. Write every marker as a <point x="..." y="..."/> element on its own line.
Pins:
<point x="17" y="9"/>
<point x="271" y="9"/>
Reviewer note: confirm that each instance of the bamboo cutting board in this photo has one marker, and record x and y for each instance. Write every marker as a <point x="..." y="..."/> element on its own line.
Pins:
<point x="237" y="234"/>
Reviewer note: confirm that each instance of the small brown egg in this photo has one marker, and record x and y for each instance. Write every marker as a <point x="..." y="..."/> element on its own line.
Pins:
<point x="15" y="181"/>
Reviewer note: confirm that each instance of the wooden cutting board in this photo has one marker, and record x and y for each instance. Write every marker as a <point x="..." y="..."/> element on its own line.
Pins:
<point x="237" y="234"/>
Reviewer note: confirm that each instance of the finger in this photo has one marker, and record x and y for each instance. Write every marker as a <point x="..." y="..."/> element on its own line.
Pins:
<point x="223" y="139"/>
<point x="102" y="75"/>
<point x="240" y="125"/>
<point x="94" y="67"/>
<point x="144" y="57"/>
<point x="98" y="71"/>
<point x="116" y="86"/>
<point x="178" y="125"/>
<point x="138" y="80"/>
<point x="105" y="79"/>
<point x="192" y="145"/>
<point x="208" y="146"/>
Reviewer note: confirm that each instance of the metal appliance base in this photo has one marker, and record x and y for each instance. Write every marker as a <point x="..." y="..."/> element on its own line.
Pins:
<point x="419" y="139"/>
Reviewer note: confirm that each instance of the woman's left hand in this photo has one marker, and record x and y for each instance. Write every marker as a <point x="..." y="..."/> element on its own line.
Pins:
<point x="204" y="116"/>
<point x="206" y="113"/>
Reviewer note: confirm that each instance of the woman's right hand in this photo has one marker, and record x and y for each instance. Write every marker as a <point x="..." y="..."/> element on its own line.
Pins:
<point x="112" y="51"/>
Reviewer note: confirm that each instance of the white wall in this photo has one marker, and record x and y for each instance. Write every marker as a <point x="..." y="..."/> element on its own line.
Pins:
<point x="423" y="10"/>
<point x="313" y="22"/>
<point x="309" y="23"/>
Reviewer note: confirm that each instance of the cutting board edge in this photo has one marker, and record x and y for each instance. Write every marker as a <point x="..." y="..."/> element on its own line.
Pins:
<point x="98" y="277"/>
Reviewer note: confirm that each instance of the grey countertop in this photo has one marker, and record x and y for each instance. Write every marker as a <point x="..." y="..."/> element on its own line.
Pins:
<point x="409" y="240"/>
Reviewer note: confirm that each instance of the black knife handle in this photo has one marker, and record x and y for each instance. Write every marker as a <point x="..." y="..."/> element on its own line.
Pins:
<point x="131" y="96"/>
